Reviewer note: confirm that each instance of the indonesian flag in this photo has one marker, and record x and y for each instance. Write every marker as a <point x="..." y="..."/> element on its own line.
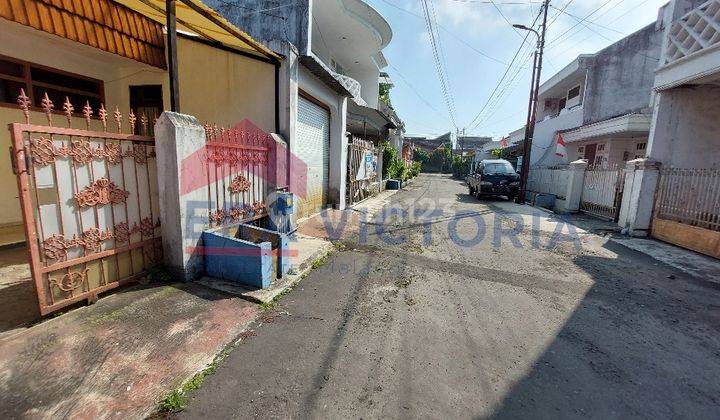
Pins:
<point x="560" y="147"/>
<point x="504" y="142"/>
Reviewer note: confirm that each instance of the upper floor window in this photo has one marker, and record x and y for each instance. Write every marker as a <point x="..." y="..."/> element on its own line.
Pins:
<point x="574" y="92"/>
<point x="37" y="80"/>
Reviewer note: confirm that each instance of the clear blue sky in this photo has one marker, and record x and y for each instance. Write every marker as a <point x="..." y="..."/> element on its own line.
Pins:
<point x="471" y="31"/>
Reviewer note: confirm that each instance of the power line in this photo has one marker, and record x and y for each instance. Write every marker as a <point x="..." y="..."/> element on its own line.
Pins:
<point x="497" y="86"/>
<point x="579" y="22"/>
<point x="593" y="22"/>
<point x="457" y="37"/>
<point x="610" y="22"/>
<point x="554" y="18"/>
<point x="499" y="100"/>
<point x="415" y="91"/>
<point x="439" y="66"/>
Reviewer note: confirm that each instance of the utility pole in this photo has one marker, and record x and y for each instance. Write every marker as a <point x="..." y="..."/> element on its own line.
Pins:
<point x="532" y="106"/>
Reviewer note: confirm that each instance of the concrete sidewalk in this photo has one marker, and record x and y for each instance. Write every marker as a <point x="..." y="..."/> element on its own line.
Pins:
<point x="690" y="262"/>
<point x="118" y="357"/>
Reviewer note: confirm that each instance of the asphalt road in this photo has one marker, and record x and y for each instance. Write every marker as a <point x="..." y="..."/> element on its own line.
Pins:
<point x="431" y="319"/>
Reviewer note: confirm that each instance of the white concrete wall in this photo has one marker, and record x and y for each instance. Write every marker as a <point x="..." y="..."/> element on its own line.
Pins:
<point x="368" y="78"/>
<point x="543" y="147"/>
<point x="338" y="139"/>
<point x="685" y="131"/>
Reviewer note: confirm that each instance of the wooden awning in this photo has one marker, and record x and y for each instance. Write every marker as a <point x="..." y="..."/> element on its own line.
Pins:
<point x="103" y="24"/>
<point x="129" y="28"/>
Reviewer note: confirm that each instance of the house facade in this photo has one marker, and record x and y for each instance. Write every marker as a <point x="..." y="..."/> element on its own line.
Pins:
<point x="74" y="50"/>
<point x="600" y="104"/>
<point x="330" y="83"/>
<point x="674" y="192"/>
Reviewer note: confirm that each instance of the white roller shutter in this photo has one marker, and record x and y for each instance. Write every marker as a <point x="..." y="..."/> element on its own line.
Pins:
<point x="313" y="137"/>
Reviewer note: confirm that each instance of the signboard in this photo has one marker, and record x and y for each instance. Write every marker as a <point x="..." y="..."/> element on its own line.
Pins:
<point x="368" y="166"/>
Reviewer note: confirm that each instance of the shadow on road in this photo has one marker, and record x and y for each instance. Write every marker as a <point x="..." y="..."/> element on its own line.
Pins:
<point x="642" y="345"/>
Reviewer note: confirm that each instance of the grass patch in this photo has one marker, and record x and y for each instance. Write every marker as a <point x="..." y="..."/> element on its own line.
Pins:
<point x="177" y="399"/>
<point x="174" y="401"/>
<point x="340" y="245"/>
<point x="320" y="261"/>
<point x="266" y="306"/>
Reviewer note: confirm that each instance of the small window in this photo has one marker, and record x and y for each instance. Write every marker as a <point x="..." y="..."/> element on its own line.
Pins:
<point x="38" y="80"/>
<point x="574" y="92"/>
<point x="601" y="147"/>
<point x="561" y="104"/>
<point x="581" y="149"/>
<point x="640" y="146"/>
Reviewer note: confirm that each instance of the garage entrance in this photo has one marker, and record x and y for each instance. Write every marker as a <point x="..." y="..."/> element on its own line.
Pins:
<point x="313" y="134"/>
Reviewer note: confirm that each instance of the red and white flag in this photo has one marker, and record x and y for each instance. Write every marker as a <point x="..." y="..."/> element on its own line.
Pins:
<point x="560" y="146"/>
<point x="504" y="142"/>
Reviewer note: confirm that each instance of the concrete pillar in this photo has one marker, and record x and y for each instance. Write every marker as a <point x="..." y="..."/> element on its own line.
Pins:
<point x="338" y="154"/>
<point x="641" y="178"/>
<point x="380" y="163"/>
<point x="576" y="181"/>
<point x="277" y="173"/>
<point x="179" y="146"/>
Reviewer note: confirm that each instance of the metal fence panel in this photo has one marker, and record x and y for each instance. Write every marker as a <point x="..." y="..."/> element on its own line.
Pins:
<point x="361" y="180"/>
<point x="237" y="173"/>
<point x="690" y="196"/>
<point x="602" y="192"/>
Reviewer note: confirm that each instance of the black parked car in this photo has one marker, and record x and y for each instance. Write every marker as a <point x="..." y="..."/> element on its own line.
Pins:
<point x="494" y="177"/>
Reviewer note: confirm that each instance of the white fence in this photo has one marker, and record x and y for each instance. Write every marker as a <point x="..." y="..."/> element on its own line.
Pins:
<point x="550" y="180"/>
<point x="602" y="192"/>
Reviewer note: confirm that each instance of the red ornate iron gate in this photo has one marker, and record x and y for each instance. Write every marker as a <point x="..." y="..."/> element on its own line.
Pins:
<point x="237" y="173"/>
<point x="89" y="201"/>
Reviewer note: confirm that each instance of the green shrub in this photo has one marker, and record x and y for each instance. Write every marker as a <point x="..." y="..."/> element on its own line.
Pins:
<point x="415" y="169"/>
<point x="421" y="156"/>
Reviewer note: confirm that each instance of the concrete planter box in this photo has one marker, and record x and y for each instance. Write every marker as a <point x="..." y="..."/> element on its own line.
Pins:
<point x="246" y="254"/>
<point x="393" y="184"/>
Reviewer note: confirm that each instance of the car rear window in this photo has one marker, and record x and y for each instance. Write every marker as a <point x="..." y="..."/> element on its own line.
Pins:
<point x="499" y="168"/>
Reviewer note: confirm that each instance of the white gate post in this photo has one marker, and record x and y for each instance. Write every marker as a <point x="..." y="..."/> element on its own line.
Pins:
<point x="576" y="181"/>
<point x="380" y="163"/>
<point x="641" y="178"/>
<point x="181" y="163"/>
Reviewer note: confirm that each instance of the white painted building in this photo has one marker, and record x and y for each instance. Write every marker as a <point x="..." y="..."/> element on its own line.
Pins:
<point x="674" y="194"/>
<point x="329" y="82"/>
<point x="600" y="104"/>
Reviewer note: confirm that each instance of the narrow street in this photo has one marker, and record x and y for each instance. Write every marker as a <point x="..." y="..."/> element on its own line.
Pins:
<point x="421" y="316"/>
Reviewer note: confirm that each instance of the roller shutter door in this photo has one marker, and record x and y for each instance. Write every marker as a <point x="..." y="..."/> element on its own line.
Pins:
<point x="313" y="136"/>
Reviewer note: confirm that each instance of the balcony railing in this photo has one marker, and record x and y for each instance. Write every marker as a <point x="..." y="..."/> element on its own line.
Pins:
<point x="698" y="30"/>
